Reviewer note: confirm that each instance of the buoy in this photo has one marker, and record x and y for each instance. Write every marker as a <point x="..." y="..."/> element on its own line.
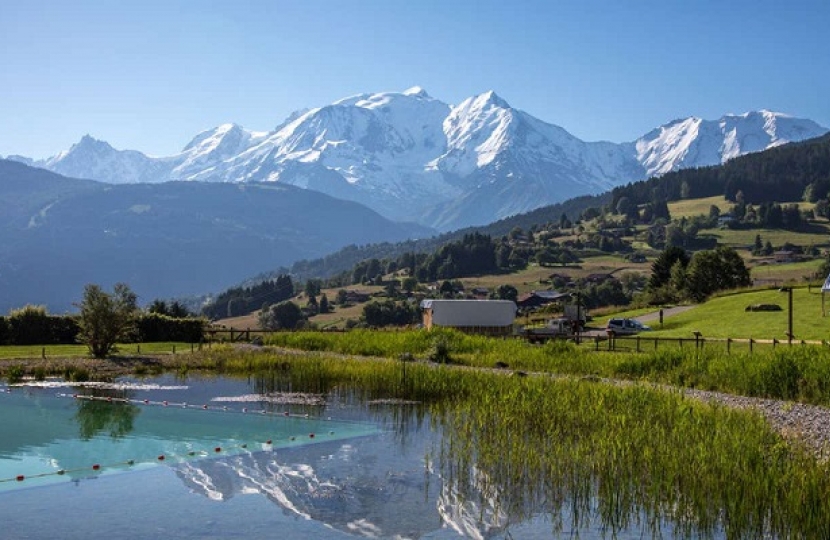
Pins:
<point x="268" y="441"/>
<point x="130" y="462"/>
<point x="204" y="406"/>
<point x="61" y="471"/>
<point x="331" y="433"/>
<point x="146" y="401"/>
<point x="244" y="409"/>
<point x="96" y="467"/>
<point x="285" y="413"/>
<point x="244" y="446"/>
<point x="20" y="478"/>
<point x="217" y="449"/>
<point x="311" y="435"/>
<point x="161" y="457"/>
<point x="292" y="437"/>
<point x="164" y="403"/>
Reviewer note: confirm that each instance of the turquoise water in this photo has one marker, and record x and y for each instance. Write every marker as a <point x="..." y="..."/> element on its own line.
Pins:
<point x="368" y="472"/>
<point x="51" y="437"/>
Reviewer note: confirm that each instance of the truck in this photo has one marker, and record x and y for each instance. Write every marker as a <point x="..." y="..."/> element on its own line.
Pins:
<point x="561" y="327"/>
<point x="577" y="313"/>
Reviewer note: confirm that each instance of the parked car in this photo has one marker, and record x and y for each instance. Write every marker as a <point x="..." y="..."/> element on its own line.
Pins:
<point x="625" y="326"/>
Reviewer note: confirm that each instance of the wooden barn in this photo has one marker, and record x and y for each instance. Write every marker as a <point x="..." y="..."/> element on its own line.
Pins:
<point x="491" y="317"/>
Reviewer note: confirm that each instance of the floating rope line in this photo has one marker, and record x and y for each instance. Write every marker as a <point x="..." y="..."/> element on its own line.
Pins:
<point x="97" y="467"/>
<point x="185" y="405"/>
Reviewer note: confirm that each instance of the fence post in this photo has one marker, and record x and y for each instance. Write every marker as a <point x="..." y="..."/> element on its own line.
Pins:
<point x="138" y="348"/>
<point x="774" y="343"/>
<point x="750" y="345"/>
<point x="728" y="345"/>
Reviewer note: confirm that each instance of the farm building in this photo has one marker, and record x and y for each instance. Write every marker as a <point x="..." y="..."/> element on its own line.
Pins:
<point x="477" y="316"/>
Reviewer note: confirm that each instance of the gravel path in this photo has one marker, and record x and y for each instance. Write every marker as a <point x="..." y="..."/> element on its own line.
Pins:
<point x="796" y="422"/>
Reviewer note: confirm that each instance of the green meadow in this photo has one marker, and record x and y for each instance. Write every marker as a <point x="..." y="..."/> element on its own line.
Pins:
<point x="726" y="317"/>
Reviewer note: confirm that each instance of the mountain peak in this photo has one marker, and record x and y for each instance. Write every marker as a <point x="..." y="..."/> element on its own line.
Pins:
<point x="490" y="97"/>
<point x="88" y="140"/>
<point x="416" y="91"/>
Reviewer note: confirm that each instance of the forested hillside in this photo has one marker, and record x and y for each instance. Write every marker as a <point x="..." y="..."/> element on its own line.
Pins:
<point x="786" y="173"/>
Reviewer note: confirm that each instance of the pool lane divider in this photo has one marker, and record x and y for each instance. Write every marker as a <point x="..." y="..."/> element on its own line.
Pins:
<point x="97" y="467"/>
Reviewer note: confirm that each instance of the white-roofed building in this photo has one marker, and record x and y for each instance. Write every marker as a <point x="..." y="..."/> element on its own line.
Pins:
<point x="493" y="317"/>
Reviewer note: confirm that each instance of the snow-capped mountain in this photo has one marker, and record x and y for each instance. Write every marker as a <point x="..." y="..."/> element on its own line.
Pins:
<point x="693" y="142"/>
<point x="412" y="157"/>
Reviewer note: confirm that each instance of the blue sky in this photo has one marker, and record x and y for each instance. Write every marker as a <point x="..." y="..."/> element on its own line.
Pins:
<point x="151" y="75"/>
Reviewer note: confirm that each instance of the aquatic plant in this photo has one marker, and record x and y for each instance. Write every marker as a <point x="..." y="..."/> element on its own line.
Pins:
<point x="800" y="373"/>
<point x="580" y="450"/>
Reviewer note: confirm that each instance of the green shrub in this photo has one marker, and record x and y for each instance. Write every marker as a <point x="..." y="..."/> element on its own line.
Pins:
<point x="154" y="327"/>
<point x="440" y="350"/>
<point x="15" y="374"/>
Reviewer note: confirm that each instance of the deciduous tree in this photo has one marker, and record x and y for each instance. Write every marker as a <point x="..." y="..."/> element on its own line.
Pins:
<point x="106" y="318"/>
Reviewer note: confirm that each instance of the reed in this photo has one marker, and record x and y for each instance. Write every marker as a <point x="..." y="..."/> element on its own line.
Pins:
<point x="793" y="373"/>
<point x="579" y="450"/>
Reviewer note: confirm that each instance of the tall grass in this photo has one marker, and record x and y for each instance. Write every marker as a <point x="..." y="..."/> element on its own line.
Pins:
<point x="792" y="373"/>
<point x="620" y="455"/>
<point x="578" y="450"/>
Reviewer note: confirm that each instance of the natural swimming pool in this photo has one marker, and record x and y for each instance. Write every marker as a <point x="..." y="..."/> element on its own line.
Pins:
<point x="235" y="465"/>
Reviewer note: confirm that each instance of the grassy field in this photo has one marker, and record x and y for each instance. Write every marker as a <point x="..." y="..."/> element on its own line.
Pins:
<point x="697" y="207"/>
<point x="786" y="272"/>
<point x="9" y="352"/>
<point x="725" y="317"/>
<point x="746" y="238"/>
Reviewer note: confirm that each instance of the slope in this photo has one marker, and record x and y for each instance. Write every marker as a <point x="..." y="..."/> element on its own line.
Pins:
<point x="177" y="238"/>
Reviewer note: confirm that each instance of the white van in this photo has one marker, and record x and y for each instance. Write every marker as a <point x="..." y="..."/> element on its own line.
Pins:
<point x="625" y="326"/>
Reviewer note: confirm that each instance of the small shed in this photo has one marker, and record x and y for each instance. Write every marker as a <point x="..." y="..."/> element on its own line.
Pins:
<point x="493" y="317"/>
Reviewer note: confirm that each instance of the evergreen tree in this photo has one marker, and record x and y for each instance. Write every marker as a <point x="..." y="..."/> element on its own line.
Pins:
<point x="324" y="304"/>
<point x="662" y="266"/>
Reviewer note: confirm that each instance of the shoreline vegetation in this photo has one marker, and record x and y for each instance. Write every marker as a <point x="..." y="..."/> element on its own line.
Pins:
<point x="543" y="429"/>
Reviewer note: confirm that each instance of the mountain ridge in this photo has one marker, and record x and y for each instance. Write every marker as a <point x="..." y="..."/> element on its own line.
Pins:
<point x="412" y="157"/>
<point x="177" y="238"/>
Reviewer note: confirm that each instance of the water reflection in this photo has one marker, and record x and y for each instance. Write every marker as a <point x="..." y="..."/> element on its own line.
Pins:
<point x="94" y="416"/>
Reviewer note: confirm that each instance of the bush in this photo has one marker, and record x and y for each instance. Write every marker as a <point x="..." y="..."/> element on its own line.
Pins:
<point x="153" y="327"/>
<point x="440" y="351"/>
<point x="32" y="325"/>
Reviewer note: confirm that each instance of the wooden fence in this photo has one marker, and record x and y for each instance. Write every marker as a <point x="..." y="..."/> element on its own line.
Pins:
<point x="638" y="343"/>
